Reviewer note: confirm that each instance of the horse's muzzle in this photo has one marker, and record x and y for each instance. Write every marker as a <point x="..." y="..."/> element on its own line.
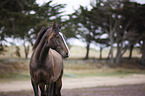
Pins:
<point x="66" y="55"/>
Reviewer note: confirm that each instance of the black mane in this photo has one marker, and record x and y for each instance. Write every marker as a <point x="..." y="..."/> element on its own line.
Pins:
<point x="40" y="35"/>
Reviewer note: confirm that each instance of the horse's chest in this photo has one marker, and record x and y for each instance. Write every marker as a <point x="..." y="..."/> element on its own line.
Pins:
<point x="42" y="72"/>
<point x="42" y="75"/>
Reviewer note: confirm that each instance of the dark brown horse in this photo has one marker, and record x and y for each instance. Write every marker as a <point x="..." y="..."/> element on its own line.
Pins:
<point x="46" y="65"/>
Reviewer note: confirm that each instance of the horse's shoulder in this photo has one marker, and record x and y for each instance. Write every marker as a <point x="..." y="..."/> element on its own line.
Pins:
<point x="58" y="63"/>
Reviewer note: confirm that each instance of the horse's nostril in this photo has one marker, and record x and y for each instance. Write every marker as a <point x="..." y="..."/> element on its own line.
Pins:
<point x="66" y="53"/>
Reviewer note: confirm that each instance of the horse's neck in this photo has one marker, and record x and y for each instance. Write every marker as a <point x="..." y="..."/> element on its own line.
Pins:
<point x="44" y="52"/>
<point x="41" y="51"/>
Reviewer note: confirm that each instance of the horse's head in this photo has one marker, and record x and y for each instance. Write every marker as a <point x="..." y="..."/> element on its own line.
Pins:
<point x="57" y="42"/>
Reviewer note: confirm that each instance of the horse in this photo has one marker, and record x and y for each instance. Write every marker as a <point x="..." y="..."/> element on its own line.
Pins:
<point x="46" y="64"/>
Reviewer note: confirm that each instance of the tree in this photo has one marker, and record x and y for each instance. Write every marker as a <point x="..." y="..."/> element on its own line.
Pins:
<point x="90" y="30"/>
<point x="107" y="20"/>
<point x="43" y="16"/>
<point x="70" y="28"/>
<point x="133" y="21"/>
<point x="92" y="21"/>
<point x="24" y="18"/>
<point x="77" y="25"/>
<point x="16" y="19"/>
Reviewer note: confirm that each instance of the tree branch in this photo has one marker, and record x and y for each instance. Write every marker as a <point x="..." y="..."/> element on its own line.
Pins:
<point x="1" y="5"/>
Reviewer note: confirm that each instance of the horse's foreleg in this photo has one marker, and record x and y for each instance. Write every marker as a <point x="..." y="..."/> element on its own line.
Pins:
<point x="42" y="88"/>
<point x="50" y="87"/>
<point x="35" y="87"/>
<point x="58" y="86"/>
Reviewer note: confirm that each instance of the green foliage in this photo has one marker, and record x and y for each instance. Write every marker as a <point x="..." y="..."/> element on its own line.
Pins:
<point x="15" y="17"/>
<point x="122" y="20"/>
<point x="70" y="26"/>
<point x="23" y="18"/>
<point x="133" y="19"/>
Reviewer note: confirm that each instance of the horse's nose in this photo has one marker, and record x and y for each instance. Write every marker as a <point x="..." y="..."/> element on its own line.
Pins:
<point x="66" y="55"/>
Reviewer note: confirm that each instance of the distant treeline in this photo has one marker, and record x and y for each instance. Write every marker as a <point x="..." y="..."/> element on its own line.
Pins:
<point x="108" y="23"/>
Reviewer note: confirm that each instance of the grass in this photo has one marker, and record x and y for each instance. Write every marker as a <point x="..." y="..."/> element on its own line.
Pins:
<point x="109" y="73"/>
<point x="17" y="76"/>
<point x="75" y="74"/>
<point x="14" y="77"/>
<point x="72" y="69"/>
<point x="18" y="68"/>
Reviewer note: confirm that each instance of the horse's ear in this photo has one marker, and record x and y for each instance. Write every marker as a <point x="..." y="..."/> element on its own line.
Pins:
<point x="54" y="25"/>
<point x="60" y="26"/>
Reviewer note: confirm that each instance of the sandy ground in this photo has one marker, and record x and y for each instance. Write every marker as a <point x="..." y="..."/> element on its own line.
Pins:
<point x="121" y="90"/>
<point x="74" y="83"/>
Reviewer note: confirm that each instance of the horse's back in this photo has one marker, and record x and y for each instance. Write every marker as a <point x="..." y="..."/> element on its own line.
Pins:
<point x="57" y="63"/>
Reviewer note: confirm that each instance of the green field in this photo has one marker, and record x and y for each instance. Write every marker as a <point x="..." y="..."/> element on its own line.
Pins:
<point x="18" y="68"/>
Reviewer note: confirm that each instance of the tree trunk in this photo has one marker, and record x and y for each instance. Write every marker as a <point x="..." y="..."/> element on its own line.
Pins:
<point x="101" y="53"/>
<point x="120" y="51"/>
<point x="131" y="48"/>
<point x="112" y="58"/>
<point x="118" y="55"/>
<point x="31" y="43"/>
<point x="109" y="54"/>
<point x="87" y="48"/>
<point x="26" y="49"/>
<point x="143" y="54"/>
<point x="18" y="51"/>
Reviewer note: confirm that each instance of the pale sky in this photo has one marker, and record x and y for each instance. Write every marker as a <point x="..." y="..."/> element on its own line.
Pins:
<point x="72" y="5"/>
<point x="140" y="1"/>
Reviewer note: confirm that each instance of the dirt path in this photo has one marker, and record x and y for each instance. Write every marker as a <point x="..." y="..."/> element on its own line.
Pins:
<point x="73" y="83"/>
<point x="125" y="90"/>
<point x="122" y="90"/>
